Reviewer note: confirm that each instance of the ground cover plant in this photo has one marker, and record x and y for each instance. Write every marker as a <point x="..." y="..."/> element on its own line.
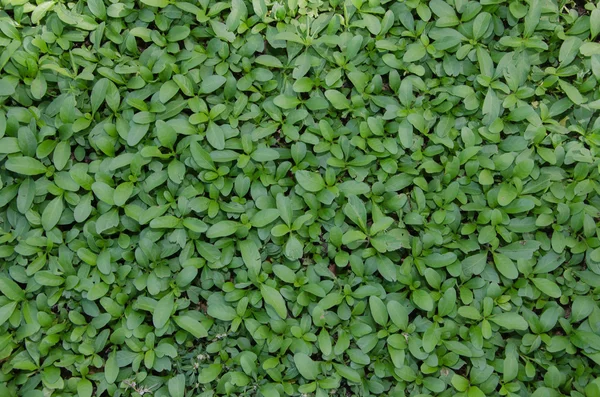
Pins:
<point x="299" y="198"/>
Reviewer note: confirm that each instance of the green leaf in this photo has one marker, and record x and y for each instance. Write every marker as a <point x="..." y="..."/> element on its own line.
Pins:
<point x="222" y="229"/>
<point x="286" y="102"/>
<point x="507" y="194"/>
<point x="355" y="210"/>
<point x="475" y="391"/>
<point x="218" y="309"/>
<point x="481" y="24"/>
<point x="212" y="83"/>
<point x="6" y="311"/>
<point x="178" y="33"/>
<point x="532" y="18"/>
<point x="398" y="314"/>
<point x="469" y="312"/>
<point x="306" y="366"/>
<point x="572" y="93"/>
<point x="10" y="289"/>
<point x="510" y="320"/>
<point x="414" y="52"/>
<point x="111" y="368"/>
<point x="422" y="300"/>
<point x="62" y="154"/>
<point x="97" y="291"/>
<point x="221" y="31"/>
<point x="570" y="48"/>
<point x="460" y="383"/>
<point x="436" y="260"/>
<point x="520" y="249"/>
<point x="85" y="388"/>
<point x="337" y="99"/>
<point x="347" y="373"/>
<point x="582" y="307"/>
<point x="210" y="373"/>
<point x="191" y="325"/>
<point x="176" y="386"/>
<point x="25" y="165"/>
<point x="156" y="3"/>
<point x="274" y="299"/>
<point x="264" y="217"/>
<point x="7" y="88"/>
<point x="99" y="94"/>
<point x="505" y="266"/>
<point x="378" y="310"/>
<point x="97" y="8"/>
<point x="251" y="256"/>
<point x="284" y="206"/>
<point x="122" y="193"/>
<point x="588" y="49"/>
<point x="474" y="264"/>
<point x="269" y="61"/>
<point x="215" y="136"/>
<point x="52" y="213"/>
<point x="39" y="86"/>
<point x="168" y="90"/>
<point x="293" y="248"/>
<point x="202" y="157"/>
<point x="548" y="287"/>
<point x="163" y="310"/>
<point x="263" y="155"/>
<point x="165" y="222"/>
<point x="47" y="278"/>
<point x="310" y="181"/>
<point x="446" y="14"/>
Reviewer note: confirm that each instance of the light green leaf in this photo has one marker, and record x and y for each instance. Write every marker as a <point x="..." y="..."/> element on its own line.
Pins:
<point x="310" y="181"/>
<point x="222" y="229"/>
<point x="337" y="99"/>
<point x="474" y="264"/>
<point x="422" y="299"/>
<point x="274" y="299"/>
<point x="572" y="92"/>
<point x="355" y="210"/>
<point x="156" y="3"/>
<point x="437" y="260"/>
<point x="111" y="368"/>
<point x="191" y="325"/>
<point x="25" y="165"/>
<point x="85" y="388"/>
<point x="10" y="289"/>
<point x="97" y="291"/>
<point x="306" y="366"/>
<point x="52" y="213"/>
<point x="293" y="248"/>
<point x="212" y="83"/>
<point x="505" y="266"/>
<point x="6" y="311"/>
<point x="510" y="320"/>
<point x="176" y="386"/>
<point x="378" y="310"/>
<point x="548" y="287"/>
<point x="163" y="310"/>
<point x="221" y="31"/>
<point x="215" y="136"/>
<point x="348" y="373"/>
<point x="202" y="157"/>
<point x="398" y="314"/>
<point x="506" y="194"/>
<point x="251" y="256"/>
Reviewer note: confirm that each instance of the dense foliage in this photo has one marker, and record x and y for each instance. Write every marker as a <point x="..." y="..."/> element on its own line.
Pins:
<point x="265" y="198"/>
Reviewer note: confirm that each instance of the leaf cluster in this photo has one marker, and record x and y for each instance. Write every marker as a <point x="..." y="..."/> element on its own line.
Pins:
<point x="299" y="198"/>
